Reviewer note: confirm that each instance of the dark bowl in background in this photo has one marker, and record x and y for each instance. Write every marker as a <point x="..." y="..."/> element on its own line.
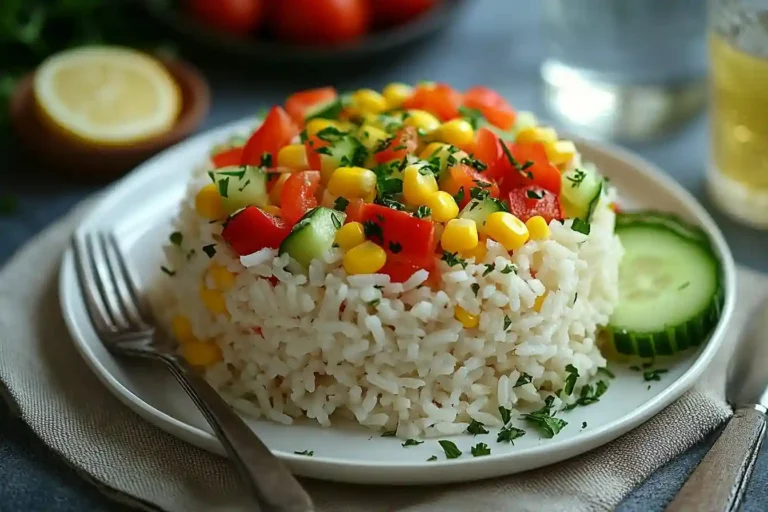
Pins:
<point x="378" y="43"/>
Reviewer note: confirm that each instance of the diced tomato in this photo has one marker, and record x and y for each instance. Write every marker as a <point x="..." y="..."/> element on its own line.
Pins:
<point x="231" y="156"/>
<point x="488" y="151"/>
<point x="492" y="105"/>
<point x="461" y="176"/>
<point x="299" y="195"/>
<point x="311" y="145"/>
<point x="252" y="229"/>
<point x="276" y="131"/>
<point x="297" y="104"/>
<point x="400" y="234"/>
<point x="527" y="202"/>
<point x="439" y="99"/>
<point x="404" y="143"/>
<point x="354" y="210"/>
<point x="400" y="270"/>
<point x="542" y="173"/>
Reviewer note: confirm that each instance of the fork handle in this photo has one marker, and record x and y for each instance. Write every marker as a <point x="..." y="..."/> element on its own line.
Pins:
<point x="273" y="485"/>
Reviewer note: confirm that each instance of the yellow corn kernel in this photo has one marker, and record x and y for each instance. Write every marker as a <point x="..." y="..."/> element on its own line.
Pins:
<point x="417" y="187"/>
<point x="222" y="278"/>
<point x="459" y="235"/>
<point x="293" y="156"/>
<point x="457" y="132"/>
<point x="421" y="119"/>
<point x="536" y="134"/>
<point x="277" y="189"/>
<point x="350" y="235"/>
<point x="444" y="152"/>
<point x="396" y="94"/>
<point x="371" y="136"/>
<point x="366" y="258"/>
<point x="538" y="229"/>
<point x="560" y="152"/>
<point x="352" y="182"/>
<point x="201" y="353"/>
<point x="182" y="329"/>
<point x="316" y="125"/>
<point x="539" y="302"/>
<point x="467" y="319"/>
<point x="443" y="206"/>
<point x="213" y="300"/>
<point x="368" y="101"/>
<point x="506" y="229"/>
<point x="208" y="203"/>
<point x="478" y="253"/>
<point x="272" y="210"/>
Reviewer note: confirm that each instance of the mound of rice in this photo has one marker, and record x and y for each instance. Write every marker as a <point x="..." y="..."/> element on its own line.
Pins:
<point x="392" y="356"/>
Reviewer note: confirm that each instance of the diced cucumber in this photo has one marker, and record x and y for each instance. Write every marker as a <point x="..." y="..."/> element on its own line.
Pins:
<point x="670" y="293"/>
<point x="581" y="192"/>
<point x="241" y="186"/>
<point x="479" y="210"/>
<point x="346" y="151"/>
<point x="327" y="110"/>
<point x="313" y="235"/>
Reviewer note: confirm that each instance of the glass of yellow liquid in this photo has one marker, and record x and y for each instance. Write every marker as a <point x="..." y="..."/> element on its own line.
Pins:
<point x="738" y="51"/>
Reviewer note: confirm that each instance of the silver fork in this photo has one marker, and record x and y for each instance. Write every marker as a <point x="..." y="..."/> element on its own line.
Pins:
<point x="123" y="321"/>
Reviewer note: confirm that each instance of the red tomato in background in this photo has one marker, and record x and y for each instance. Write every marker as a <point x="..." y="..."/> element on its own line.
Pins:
<point x="440" y="99"/>
<point x="320" y="22"/>
<point x="542" y="173"/>
<point x="492" y="105"/>
<point x="276" y="131"/>
<point x="299" y="195"/>
<point x="235" y="16"/>
<point x="527" y="202"/>
<point x="404" y="143"/>
<point x="394" y="12"/>
<point x="298" y="103"/>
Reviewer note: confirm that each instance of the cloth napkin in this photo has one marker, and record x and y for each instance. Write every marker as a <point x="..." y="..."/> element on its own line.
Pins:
<point x="49" y="385"/>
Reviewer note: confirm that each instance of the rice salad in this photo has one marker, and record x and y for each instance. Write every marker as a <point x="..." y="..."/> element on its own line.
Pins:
<point x="340" y="287"/>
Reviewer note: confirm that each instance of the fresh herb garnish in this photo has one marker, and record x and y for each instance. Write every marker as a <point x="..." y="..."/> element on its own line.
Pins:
<point x="452" y="259"/>
<point x="390" y="203"/>
<point x="507" y="322"/>
<point x="684" y="286"/>
<point x="654" y="374"/>
<point x="223" y="186"/>
<point x="432" y="458"/>
<point x="336" y="221"/>
<point x="395" y="247"/>
<point x="607" y="372"/>
<point x="480" y="449"/>
<point x="375" y="302"/>
<point x="476" y="428"/>
<point x="308" y="453"/>
<point x="168" y="271"/>
<point x="422" y="211"/>
<point x="584" y="424"/>
<point x="266" y="160"/>
<point x="577" y="178"/>
<point x="544" y="420"/>
<point x="450" y="449"/>
<point x="389" y="433"/>
<point x="474" y="162"/>
<point x="532" y="194"/>
<point x="580" y="226"/>
<point x="521" y="168"/>
<point x="210" y="250"/>
<point x="475" y="288"/>
<point x="489" y="267"/>
<point x="523" y="380"/>
<point x="373" y="230"/>
<point x="478" y="193"/>
<point x="511" y="267"/>
<point x="509" y="434"/>
<point x="340" y="204"/>
<point x="330" y="134"/>
<point x="411" y="442"/>
<point x="570" y="380"/>
<point x="473" y="116"/>
<point x="506" y="414"/>
<point x="176" y="238"/>
<point x="589" y="395"/>
<point x="459" y="197"/>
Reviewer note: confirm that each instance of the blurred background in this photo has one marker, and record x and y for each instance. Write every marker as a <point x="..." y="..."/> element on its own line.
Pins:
<point x="642" y="74"/>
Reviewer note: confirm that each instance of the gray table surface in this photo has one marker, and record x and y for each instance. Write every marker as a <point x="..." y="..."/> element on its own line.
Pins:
<point x="497" y="43"/>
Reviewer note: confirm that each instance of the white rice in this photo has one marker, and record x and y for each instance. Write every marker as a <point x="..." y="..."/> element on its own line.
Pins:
<point x="392" y="356"/>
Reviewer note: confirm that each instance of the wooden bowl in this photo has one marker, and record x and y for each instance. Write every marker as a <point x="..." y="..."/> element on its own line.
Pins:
<point x="85" y="161"/>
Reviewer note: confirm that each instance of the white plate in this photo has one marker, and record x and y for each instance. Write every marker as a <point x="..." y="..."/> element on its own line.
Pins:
<point x="139" y="209"/>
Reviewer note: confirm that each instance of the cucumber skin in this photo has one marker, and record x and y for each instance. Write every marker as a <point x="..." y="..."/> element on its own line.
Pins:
<point x="310" y="222"/>
<point x="683" y="336"/>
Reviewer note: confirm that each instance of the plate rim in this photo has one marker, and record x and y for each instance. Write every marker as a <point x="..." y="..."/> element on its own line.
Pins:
<point x="317" y="466"/>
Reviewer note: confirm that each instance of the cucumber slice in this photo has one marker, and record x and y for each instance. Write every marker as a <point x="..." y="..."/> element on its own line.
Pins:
<point x="581" y="192"/>
<point x="326" y="110"/>
<point x="479" y="211"/>
<point x="241" y="186"/>
<point x="670" y="220"/>
<point x="346" y="151"/>
<point x="670" y="293"/>
<point x="313" y="235"/>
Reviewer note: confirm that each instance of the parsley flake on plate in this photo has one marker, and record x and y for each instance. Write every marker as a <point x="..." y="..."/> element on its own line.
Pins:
<point x="450" y="449"/>
<point x="509" y="434"/>
<point x="480" y="449"/>
<point x="307" y="453"/>
<point x="476" y="428"/>
<point x="411" y="442"/>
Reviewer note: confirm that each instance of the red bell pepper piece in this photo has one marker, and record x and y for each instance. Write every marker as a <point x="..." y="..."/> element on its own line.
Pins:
<point x="439" y="99"/>
<point x="463" y="177"/>
<point x="252" y="229"/>
<point x="404" y="143"/>
<point x="539" y="172"/>
<point x="298" y="103"/>
<point x="231" y="156"/>
<point x="492" y="105"/>
<point x="527" y="202"/>
<point x="299" y="195"/>
<point x="400" y="234"/>
<point x="276" y="131"/>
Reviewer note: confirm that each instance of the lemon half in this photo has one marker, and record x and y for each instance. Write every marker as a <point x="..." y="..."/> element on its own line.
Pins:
<point x="107" y="95"/>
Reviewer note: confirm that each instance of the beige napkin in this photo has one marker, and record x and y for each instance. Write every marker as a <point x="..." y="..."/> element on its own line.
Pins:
<point x="63" y="402"/>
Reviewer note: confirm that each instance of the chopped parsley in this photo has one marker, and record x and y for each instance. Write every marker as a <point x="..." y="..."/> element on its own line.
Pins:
<point x="507" y="322"/>
<point x="647" y="365"/>
<point x="478" y="193"/>
<point x="607" y="372"/>
<point x="570" y="380"/>
<point x="308" y="453"/>
<point x="584" y="424"/>
<point x="475" y="288"/>
<point x="521" y="168"/>
<point x="432" y="458"/>
<point x="474" y="163"/>
<point x="506" y="414"/>
<point x="423" y="211"/>
<point x="480" y="449"/>
<point x="580" y="226"/>
<point x="523" y="380"/>
<point x="266" y="159"/>
<point x="389" y="433"/>
<point x="390" y="203"/>
<point x="509" y="269"/>
<point x="247" y="182"/>
<point x="210" y="250"/>
<point x="544" y="420"/>
<point x="684" y="286"/>
<point x="168" y="271"/>
<point x="459" y="197"/>
<point x="330" y="134"/>
<point x="395" y="247"/>
<point x="373" y="230"/>
<point x="532" y="194"/>
<point x="577" y="178"/>
<point x="176" y="238"/>
<point x="374" y="303"/>
<point x="336" y="221"/>
<point x="489" y="267"/>
<point x="450" y="449"/>
<point x="654" y="374"/>
<point x="509" y="434"/>
<point x="589" y="395"/>
<point x="473" y="116"/>
<point x="476" y="428"/>
<point x="340" y="204"/>
<point x="452" y="259"/>
<point x="191" y="254"/>
<point x="223" y="186"/>
<point x="411" y="442"/>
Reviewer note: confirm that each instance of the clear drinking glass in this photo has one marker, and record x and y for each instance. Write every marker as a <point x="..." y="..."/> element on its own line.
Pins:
<point x="625" y="69"/>
<point x="738" y="52"/>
